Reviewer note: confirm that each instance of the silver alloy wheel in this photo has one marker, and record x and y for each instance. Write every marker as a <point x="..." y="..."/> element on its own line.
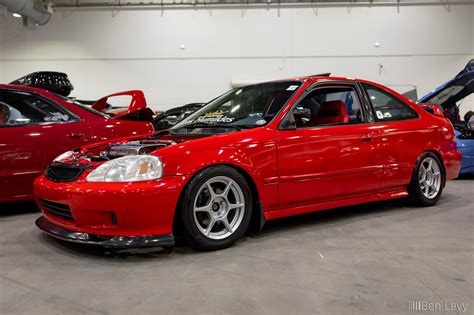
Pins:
<point x="219" y="207"/>
<point x="429" y="177"/>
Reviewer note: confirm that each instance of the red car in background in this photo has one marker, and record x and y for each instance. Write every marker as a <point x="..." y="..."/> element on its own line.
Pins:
<point x="36" y="126"/>
<point x="256" y="153"/>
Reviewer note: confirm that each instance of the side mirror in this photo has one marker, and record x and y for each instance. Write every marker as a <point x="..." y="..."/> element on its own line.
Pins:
<point x="433" y="109"/>
<point x="302" y="113"/>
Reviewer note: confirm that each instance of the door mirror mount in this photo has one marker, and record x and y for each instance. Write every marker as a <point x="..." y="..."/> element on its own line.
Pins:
<point x="288" y="122"/>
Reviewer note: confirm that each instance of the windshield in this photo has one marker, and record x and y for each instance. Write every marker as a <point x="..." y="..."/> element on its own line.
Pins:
<point x="245" y="107"/>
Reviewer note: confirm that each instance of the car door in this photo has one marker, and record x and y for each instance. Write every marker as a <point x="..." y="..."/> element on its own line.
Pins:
<point x="33" y="131"/>
<point x="332" y="152"/>
<point x="400" y="136"/>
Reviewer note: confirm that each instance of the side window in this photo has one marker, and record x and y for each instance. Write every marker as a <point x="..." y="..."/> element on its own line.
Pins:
<point x="23" y="108"/>
<point x="328" y="106"/>
<point x="387" y="107"/>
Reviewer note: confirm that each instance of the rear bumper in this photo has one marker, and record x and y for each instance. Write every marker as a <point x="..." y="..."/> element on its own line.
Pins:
<point x="165" y="240"/>
<point x="452" y="163"/>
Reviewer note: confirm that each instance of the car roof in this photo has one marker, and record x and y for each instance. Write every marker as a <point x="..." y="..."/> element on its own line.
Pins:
<point x="23" y="87"/>
<point x="44" y="93"/>
<point x="311" y="79"/>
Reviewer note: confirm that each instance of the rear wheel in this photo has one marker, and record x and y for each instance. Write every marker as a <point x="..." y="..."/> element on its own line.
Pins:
<point x="216" y="208"/>
<point x="427" y="180"/>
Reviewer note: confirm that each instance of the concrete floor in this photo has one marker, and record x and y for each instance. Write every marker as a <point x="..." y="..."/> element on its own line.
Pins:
<point x="369" y="259"/>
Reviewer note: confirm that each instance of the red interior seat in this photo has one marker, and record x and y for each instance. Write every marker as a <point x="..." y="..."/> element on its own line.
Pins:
<point x="332" y="112"/>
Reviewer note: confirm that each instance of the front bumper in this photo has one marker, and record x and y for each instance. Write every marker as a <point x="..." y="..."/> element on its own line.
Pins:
<point x="117" y="242"/>
<point x="111" y="209"/>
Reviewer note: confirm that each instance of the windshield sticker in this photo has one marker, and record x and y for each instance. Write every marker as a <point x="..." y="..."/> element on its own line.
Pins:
<point x="260" y="122"/>
<point x="292" y="87"/>
<point x="383" y="115"/>
<point x="214" y="117"/>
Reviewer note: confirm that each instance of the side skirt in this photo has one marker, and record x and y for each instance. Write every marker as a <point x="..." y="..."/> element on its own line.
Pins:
<point x="281" y="213"/>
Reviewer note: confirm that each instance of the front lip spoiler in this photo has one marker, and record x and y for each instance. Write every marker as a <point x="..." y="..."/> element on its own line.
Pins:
<point x="118" y="242"/>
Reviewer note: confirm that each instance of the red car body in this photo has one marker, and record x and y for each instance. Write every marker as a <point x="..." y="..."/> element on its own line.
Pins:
<point x="26" y="149"/>
<point x="290" y="172"/>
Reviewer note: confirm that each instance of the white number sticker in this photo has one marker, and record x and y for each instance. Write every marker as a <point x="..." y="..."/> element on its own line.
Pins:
<point x="292" y="87"/>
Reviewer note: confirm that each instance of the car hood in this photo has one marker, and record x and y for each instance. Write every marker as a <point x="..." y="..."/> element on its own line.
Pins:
<point x="454" y="90"/>
<point x="103" y="151"/>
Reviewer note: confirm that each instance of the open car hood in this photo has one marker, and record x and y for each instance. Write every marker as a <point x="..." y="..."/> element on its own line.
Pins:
<point x="454" y="90"/>
<point x="137" y="109"/>
<point x="97" y="153"/>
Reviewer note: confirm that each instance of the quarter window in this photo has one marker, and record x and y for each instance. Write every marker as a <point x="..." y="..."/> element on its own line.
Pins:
<point x="387" y="107"/>
<point x="22" y="108"/>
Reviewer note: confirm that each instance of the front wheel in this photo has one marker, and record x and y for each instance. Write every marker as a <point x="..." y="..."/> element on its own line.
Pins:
<point x="216" y="208"/>
<point x="427" y="180"/>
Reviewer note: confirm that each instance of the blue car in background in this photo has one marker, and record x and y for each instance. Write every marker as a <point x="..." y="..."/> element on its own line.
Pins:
<point x="450" y="97"/>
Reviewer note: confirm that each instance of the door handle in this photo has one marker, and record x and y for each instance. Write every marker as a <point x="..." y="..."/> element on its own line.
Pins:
<point x="367" y="138"/>
<point x="75" y="135"/>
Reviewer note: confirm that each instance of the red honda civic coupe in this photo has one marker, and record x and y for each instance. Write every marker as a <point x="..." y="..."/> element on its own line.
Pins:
<point x="256" y="153"/>
<point x="37" y="125"/>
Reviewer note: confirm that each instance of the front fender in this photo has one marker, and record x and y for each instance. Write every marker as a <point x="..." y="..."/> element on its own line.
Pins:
<point x="256" y="157"/>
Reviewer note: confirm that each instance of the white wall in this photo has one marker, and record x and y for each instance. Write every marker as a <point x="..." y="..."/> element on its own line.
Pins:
<point x="104" y="52"/>
<point x="3" y="21"/>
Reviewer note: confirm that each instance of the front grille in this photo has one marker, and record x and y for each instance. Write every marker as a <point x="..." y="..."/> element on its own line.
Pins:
<point x="64" y="172"/>
<point x="57" y="209"/>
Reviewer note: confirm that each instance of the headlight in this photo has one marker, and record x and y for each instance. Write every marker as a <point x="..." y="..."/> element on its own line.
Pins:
<point x="63" y="156"/>
<point x="131" y="168"/>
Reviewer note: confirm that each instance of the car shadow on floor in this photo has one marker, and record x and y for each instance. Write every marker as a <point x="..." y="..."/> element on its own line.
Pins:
<point x="466" y="177"/>
<point x="18" y="208"/>
<point x="271" y="229"/>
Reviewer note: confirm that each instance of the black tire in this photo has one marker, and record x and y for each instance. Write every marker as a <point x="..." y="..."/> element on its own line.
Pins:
<point x="191" y="232"/>
<point x="417" y="196"/>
